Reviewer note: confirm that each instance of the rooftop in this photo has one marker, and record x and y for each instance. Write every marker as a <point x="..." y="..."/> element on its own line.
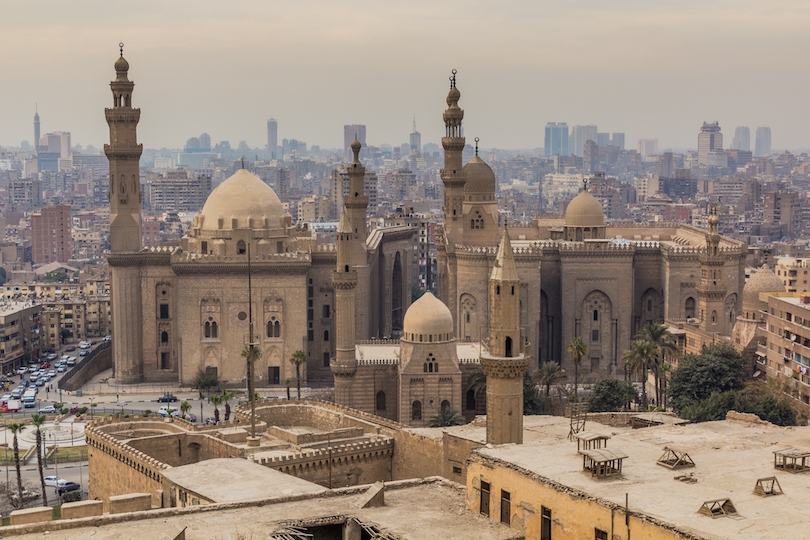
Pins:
<point x="730" y="457"/>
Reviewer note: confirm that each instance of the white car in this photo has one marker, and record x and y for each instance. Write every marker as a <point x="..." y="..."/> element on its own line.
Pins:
<point x="64" y="357"/>
<point x="54" y="481"/>
<point x="165" y="411"/>
<point x="84" y="345"/>
<point x="60" y="368"/>
<point x="22" y="371"/>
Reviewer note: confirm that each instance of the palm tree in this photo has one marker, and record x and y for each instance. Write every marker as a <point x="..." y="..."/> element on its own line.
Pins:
<point x="298" y="358"/>
<point x="216" y="400"/>
<point x="16" y="428"/>
<point x="447" y="417"/>
<point x="287" y="384"/>
<point x="185" y="406"/>
<point x="637" y="359"/>
<point x="38" y="420"/>
<point x="227" y="396"/>
<point x="577" y="350"/>
<point x="477" y="381"/>
<point x="663" y="345"/>
<point x="547" y="375"/>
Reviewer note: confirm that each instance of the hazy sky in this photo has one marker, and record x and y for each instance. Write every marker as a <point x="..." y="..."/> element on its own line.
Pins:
<point x="647" y="68"/>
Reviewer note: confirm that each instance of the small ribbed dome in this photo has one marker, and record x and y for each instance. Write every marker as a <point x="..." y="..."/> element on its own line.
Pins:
<point x="584" y="211"/>
<point x="453" y="96"/>
<point x="242" y="196"/>
<point x="480" y="178"/>
<point x="121" y="64"/>
<point x="763" y="280"/>
<point x="428" y="319"/>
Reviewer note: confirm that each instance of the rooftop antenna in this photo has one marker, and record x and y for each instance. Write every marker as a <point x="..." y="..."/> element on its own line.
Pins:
<point x="476" y="146"/>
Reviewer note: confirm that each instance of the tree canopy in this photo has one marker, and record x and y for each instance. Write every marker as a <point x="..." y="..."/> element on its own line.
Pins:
<point x="610" y="395"/>
<point x="719" y="368"/>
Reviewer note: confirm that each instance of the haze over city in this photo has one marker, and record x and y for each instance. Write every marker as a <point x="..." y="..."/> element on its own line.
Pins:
<point x="646" y="69"/>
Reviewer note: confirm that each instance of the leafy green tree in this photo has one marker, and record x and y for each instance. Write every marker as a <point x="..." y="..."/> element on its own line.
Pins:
<point x="216" y="400"/>
<point x="577" y="349"/>
<point x="16" y="428"/>
<point x="204" y="380"/>
<point x="299" y="357"/>
<point x="637" y="359"/>
<point x="185" y="407"/>
<point x="610" y="395"/>
<point x="547" y="375"/>
<point x="287" y="384"/>
<point x="776" y="411"/>
<point x="532" y="404"/>
<point x="38" y="420"/>
<point x="227" y="396"/>
<point x="719" y="368"/>
<point x="447" y="417"/>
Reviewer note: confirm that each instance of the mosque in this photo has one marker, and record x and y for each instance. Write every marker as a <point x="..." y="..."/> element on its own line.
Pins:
<point x="180" y="309"/>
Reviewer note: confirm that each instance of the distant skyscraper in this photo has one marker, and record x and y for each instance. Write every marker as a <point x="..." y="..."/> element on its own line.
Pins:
<point x="36" y="128"/>
<point x="617" y="140"/>
<point x="603" y="139"/>
<point x="416" y="140"/>
<point x="763" y="147"/>
<point x="590" y="156"/>
<point x="50" y="234"/>
<point x="709" y="140"/>
<point x="556" y="139"/>
<point x="578" y="136"/>
<point x="350" y="131"/>
<point x="742" y="139"/>
<point x="272" y="137"/>
<point x="648" y="147"/>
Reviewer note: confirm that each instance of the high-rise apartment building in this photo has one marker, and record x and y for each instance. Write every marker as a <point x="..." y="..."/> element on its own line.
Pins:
<point x="709" y="140"/>
<point x="350" y="132"/>
<point x="763" y="144"/>
<point x="556" y="139"/>
<point x="782" y="208"/>
<point x="648" y="147"/>
<point x="415" y="140"/>
<point x="272" y="138"/>
<point x="617" y="139"/>
<point x="36" y="129"/>
<point x="50" y="234"/>
<point x="603" y="139"/>
<point x="590" y="160"/>
<point x="742" y="139"/>
<point x="578" y="136"/>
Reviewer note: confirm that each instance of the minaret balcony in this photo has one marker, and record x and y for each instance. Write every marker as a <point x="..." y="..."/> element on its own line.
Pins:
<point x="344" y="280"/>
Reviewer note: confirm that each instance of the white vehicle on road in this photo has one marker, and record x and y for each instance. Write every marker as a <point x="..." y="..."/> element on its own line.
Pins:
<point x="54" y="481"/>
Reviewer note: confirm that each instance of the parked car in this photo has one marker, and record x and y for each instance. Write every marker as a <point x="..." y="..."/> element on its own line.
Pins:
<point x="40" y="382"/>
<point x="22" y="371"/>
<point x="210" y="420"/>
<point x="84" y="352"/>
<point x="167" y="398"/>
<point x="164" y="411"/>
<point x="71" y="361"/>
<point x="45" y="365"/>
<point x="107" y="339"/>
<point x="50" y="409"/>
<point x="54" y="481"/>
<point x="67" y="487"/>
<point x="71" y="348"/>
<point x="33" y="369"/>
<point x="191" y="417"/>
<point x="52" y="373"/>
<point x="60" y="368"/>
<point x="84" y="345"/>
<point x="52" y="357"/>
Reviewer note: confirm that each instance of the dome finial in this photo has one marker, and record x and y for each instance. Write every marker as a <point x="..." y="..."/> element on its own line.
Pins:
<point x="584" y="184"/>
<point x="356" y="146"/>
<point x="453" y="79"/>
<point x="243" y="162"/>
<point x="121" y="47"/>
<point x="476" y="146"/>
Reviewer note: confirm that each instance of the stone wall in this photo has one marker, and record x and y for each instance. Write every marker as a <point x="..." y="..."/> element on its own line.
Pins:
<point x="181" y="449"/>
<point x="87" y="368"/>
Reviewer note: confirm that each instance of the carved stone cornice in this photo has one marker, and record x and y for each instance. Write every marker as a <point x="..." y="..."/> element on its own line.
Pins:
<point x="504" y="368"/>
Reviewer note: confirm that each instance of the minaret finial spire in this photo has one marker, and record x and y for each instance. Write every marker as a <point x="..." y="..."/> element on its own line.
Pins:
<point x="453" y="79"/>
<point x="476" y="146"/>
<point x="243" y="162"/>
<point x="121" y="47"/>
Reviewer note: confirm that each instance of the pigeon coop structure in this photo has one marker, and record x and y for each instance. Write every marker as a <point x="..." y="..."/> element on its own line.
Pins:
<point x="602" y="463"/>
<point x="791" y="460"/>
<point x="589" y="440"/>
<point x="675" y="459"/>
<point x="767" y="487"/>
<point x="718" y="508"/>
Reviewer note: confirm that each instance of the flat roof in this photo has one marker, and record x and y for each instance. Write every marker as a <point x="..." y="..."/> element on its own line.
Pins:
<point x="730" y="456"/>
<point x="236" y="479"/>
<point x="414" y="510"/>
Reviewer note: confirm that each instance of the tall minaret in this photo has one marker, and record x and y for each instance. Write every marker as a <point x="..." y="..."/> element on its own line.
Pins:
<point x="344" y="280"/>
<point x="712" y="288"/>
<point x="36" y="129"/>
<point x="124" y="153"/>
<point x="356" y="202"/>
<point x="503" y="361"/>
<point x="452" y="177"/>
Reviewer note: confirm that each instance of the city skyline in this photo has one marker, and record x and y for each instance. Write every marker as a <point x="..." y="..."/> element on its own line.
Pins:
<point x="227" y="69"/>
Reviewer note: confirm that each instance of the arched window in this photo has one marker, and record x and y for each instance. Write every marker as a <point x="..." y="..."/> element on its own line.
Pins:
<point x="513" y="290"/>
<point x="164" y="337"/>
<point x="214" y="333"/>
<point x="380" y="400"/>
<point x="240" y="247"/>
<point x="435" y="367"/>
<point x="445" y="405"/>
<point x="416" y="410"/>
<point x="277" y="329"/>
<point x="346" y="268"/>
<point x="430" y="367"/>
<point x="595" y="315"/>
<point x="508" y="347"/>
<point x="425" y="367"/>
<point x="470" y="405"/>
<point x="690" y="307"/>
<point x="270" y="329"/>
<point x="207" y="329"/>
<point x="714" y="316"/>
<point x="326" y="335"/>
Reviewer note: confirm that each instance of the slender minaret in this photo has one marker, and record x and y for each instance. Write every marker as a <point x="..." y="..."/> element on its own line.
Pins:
<point x="503" y="360"/>
<point x="344" y="280"/>
<point x="356" y="202"/>
<point x="36" y="128"/>
<point x="712" y="288"/>
<point x="452" y="177"/>
<point x="124" y="153"/>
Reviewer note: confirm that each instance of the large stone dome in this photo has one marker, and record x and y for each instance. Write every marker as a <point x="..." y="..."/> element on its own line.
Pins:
<point x="428" y="319"/>
<point x="480" y="178"/>
<point x="240" y="197"/>
<point x="763" y="280"/>
<point x="584" y="211"/>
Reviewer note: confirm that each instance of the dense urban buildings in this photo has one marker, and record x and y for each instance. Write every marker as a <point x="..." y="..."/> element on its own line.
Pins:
<point x="50" y="234"/>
